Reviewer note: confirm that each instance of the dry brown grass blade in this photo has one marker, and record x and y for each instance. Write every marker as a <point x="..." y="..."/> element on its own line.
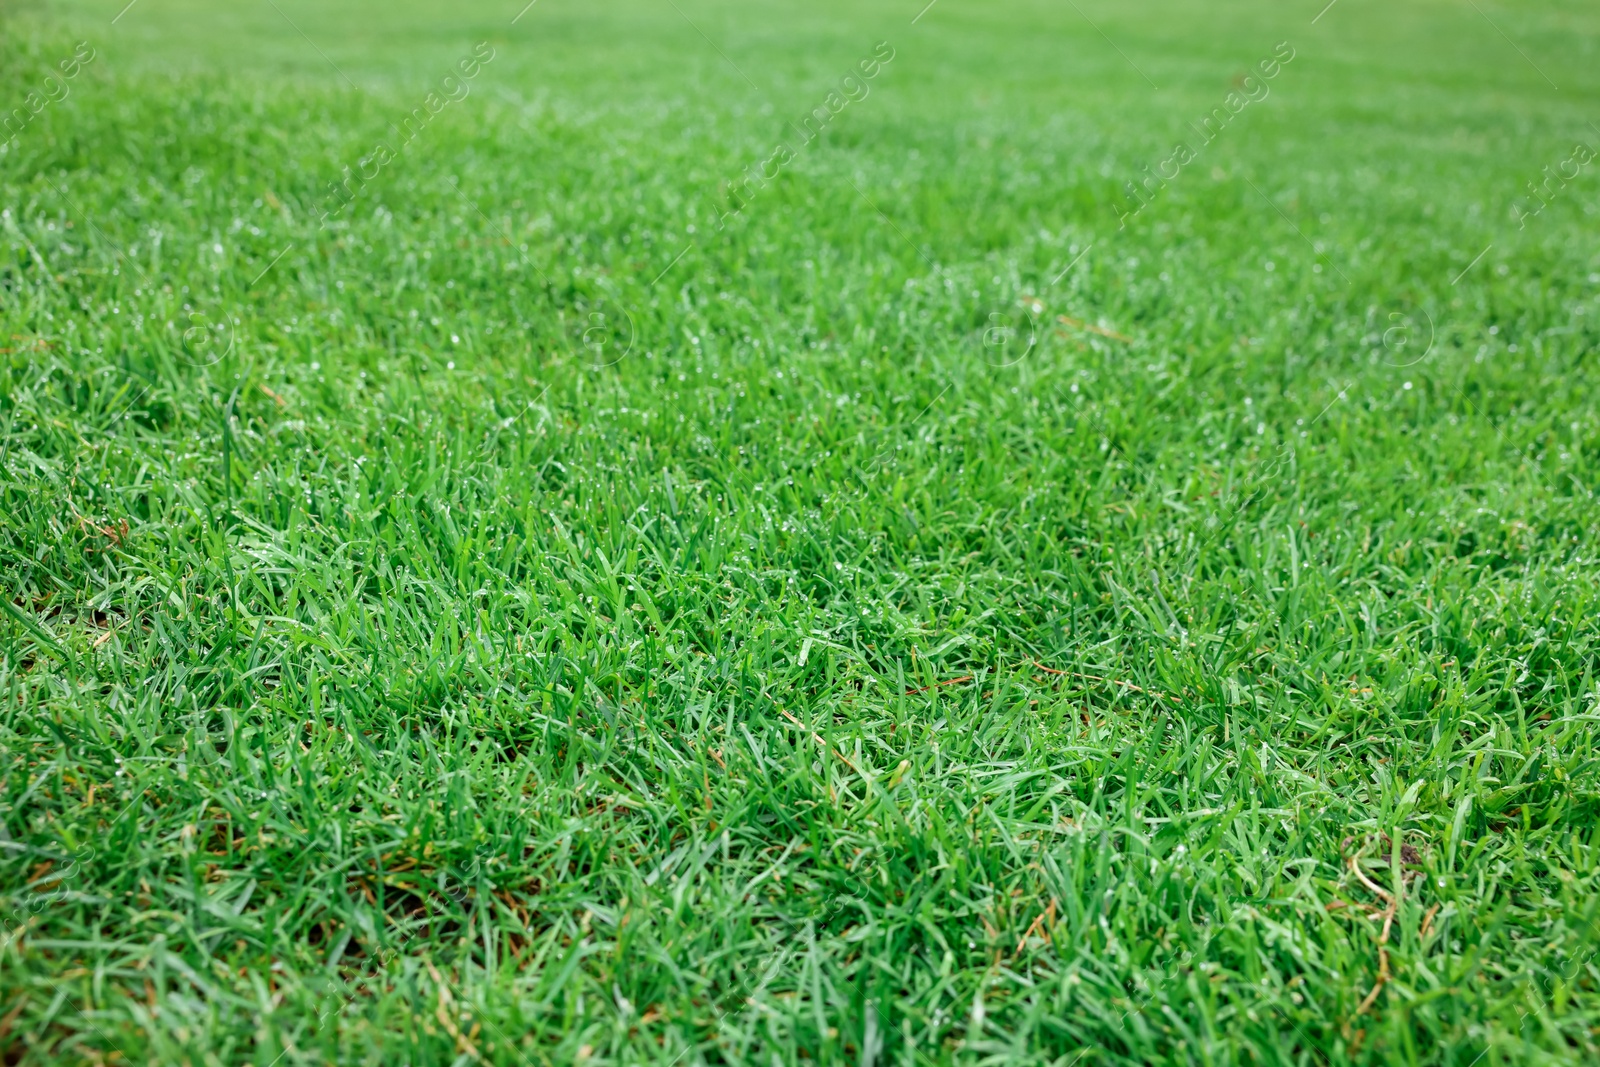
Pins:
<point x="1383" y="938"/>
<point x="938" y="685"/>
<point x="818" y="739"/>
<point x="443" y="1014"/>
<point x="1108" y="681"/>
<point x="1044" y="919"/>
<point x="1383" y="958"/>
<point x="1092" y="328"/>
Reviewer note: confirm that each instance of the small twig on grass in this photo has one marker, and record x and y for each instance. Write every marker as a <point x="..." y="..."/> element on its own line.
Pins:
<point x="936" y="685"/>
<point x="1108" y="681"/>
<point x="446" y="1006"/>
<point x="818" y="739"/>
<point x="1383" y="959"/>
<point x="1092" y="328"/>
<point x="1045" y="917"/>
<point x="1377" y="890"/>
<point x="1383" y="938"/>
<point x="11" y="1016"/>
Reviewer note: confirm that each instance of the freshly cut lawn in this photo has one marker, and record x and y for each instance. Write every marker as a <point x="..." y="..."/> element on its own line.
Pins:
<point x="585" y="601"/>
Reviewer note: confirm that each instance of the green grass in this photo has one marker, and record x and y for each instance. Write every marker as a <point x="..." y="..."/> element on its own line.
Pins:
<point x="849" y="660"/>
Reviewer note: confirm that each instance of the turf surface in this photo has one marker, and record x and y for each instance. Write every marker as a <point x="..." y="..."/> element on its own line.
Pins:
<point x="583" y="567"/>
